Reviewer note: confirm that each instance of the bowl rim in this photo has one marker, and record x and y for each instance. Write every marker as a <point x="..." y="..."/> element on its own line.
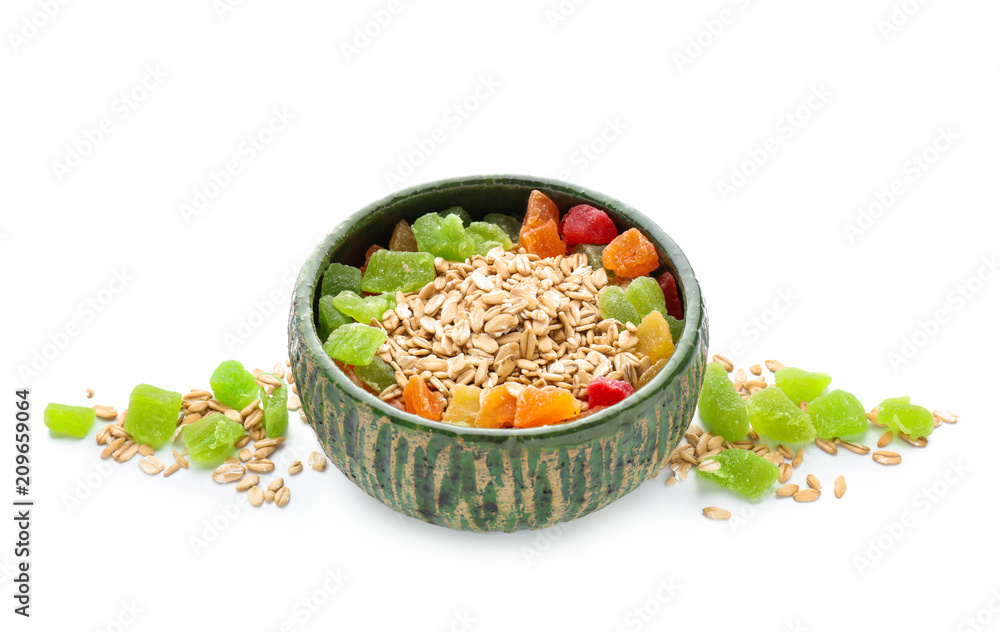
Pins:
<point x="309" y="277"/>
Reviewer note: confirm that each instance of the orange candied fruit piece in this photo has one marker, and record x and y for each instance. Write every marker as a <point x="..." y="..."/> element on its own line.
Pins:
<point x="541" y="209"/>
<point x="420" y="400"/>
<point x="497" y="409"/>
<point x="630" y="255"/>
<point x="543" y="241"/>
<point x="536" y="407"/>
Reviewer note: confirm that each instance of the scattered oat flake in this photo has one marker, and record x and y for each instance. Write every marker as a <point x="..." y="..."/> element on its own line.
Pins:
<point x="716" y="513"/>
<point x="151" y="465"/>
<point x="317" y="461"/>
<point x="839" y="486"/>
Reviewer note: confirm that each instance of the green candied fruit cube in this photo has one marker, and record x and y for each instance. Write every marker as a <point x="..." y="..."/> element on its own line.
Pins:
<point x="837" y="414"/>
<point x="721" y="406"/>
<point x="379" y="375"/>
<point x="743" y="471"/>
<point x="899" y="415"/>
<point x="507" y="223"/>
<point x="595" y="255"/>
<point x="329" y="318"/>
<point x="390" y="271"/>
<point x="338" y="278"/>
<point x="152" y="414"/>
<point x="488" y="236"/>
<point x="275" y="409"/>
<point x="676" y="327"/>
<point x="801" y="386"/>
<point x="354" y="344"/>
<point x="459" y="212"/>
<point x="363" y="310"/>
<point x="233" y="385"/>
<point x="74" y="421"/>
<point x="614" y="304"/>
<point x="444" y="237"/>
<point x="773" y="414"/>
<point x="646" y="296"/>
<point x="211" y="438"/>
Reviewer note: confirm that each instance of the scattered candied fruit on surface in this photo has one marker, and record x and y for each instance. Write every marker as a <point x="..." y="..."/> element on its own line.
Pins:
<point x="721" y="407"/>
<point x="898" y="414"/>
<point x="232" y="385"/>
<point x="801" y="386"/>
<point x="543" y="241"/>
<point x="275" y="408"/>
<point x="631" y="255"/>
<point x="390" y="271"/>
<point x="537" y="407"/>
<point x="354" y="343"/>
<point x="604" y="392"/>
<point x="463" y="408"/>
<point x="655" y="338"/>
<point x="837" y="414"/>
<point x="402" y="239"/>
<point x="498" y="409"/>
<point x="74" y="421"/>
<point x="584" y="224"/>
<point x="420" y="400"/>
<point x="211" y="438"/>
<point x="671" y="297"/>
<point x="774" y="415"/>
<point x="152" y="413"/>
<point x="743" y="471"/>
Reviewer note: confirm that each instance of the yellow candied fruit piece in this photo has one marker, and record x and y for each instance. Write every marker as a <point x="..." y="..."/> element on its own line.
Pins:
<point x="655" y="340"/>
<point x="463" y="406"/>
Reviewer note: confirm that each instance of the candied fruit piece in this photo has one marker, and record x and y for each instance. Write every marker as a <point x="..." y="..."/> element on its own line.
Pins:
<point x="378" y="375"/>
<point x="671" y="297"/>
<point x="837" y="414"/>
<point x="604" y="392"/>
<point x="74" y="421"/>
<point x="801" y="386"/>
<point x="233" y="385"/>
<point x="463" y="407"/>
<point x="743" y="471"/>
<point x="354" y="343"/>
<point x="507" y="223"/>
<point x="654" y="370"/>
<point x="368" y="257"/>
<point x="537" y="407"/>
<point x="275" y="408"/>
<point x="676" y="328"/>
<point x="152" y="414"/>
<point x="488" y="236"/>
<point x="363" y="310"/>
<point x="646" y="296"/>
<point x="655" y="339"/>
<point x="210" y="438"/>
<point x="614" y="303"/>
<point x="420" y="400"/>
<point x="593" y="252"/>
<point x="498" y="409"/>
<point x="541" y="210"/>
<point x="329" y="318"/>
<point x="773" y="415"/>
<point x="899" y="415"/>
<point x="543" y="241"/>
<point x="444" y="237"/>
<point x="402" y="239"/>
<point x="631" y="255"/>
<point x="459" y="212"/>
<point x="338" y="278"/>
<point x="721" y="407"/>
<point x="390" y="271"/>
<point x="584" y="224"/>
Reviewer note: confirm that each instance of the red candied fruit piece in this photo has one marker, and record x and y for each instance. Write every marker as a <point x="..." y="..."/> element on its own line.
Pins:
<point x="669" y="286"/>
<point x="630" y="255"/>
<point x="585" y="224"/>
<point x="368" y="256"/>
<point x="605" y="392"/>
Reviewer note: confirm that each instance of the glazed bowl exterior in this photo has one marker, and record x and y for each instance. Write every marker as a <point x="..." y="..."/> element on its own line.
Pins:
<point x="482" y="479"/>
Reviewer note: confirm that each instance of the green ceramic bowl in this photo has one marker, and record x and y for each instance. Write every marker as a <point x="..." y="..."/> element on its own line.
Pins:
<point x="491" y="479"/>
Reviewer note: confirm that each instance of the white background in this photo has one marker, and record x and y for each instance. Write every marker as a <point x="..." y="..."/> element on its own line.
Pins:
<point x="606" y="78"/>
